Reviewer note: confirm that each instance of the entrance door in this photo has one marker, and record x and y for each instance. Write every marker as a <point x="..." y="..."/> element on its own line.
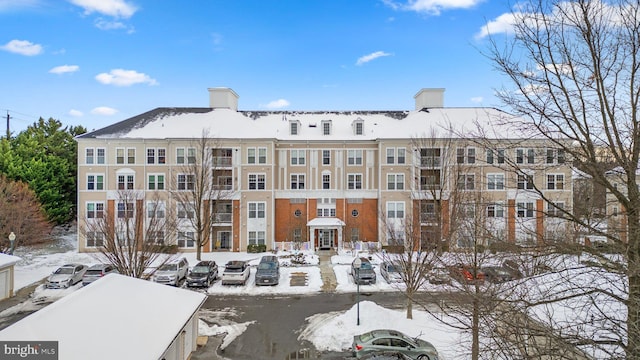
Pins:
<point x="326" y="239"/>
<point x="224" y="239"/>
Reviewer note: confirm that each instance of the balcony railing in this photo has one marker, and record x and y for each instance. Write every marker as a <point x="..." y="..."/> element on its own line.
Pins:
<point x="222" y="218"/>
<point x="222" y="161"/>
<point x="430" y="161"/>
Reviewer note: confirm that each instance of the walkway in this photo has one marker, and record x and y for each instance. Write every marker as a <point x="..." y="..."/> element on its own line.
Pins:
<point x="329" y="281"/>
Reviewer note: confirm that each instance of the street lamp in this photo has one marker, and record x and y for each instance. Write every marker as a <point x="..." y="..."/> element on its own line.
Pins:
<point x="357" y="264"/>
<point x="12" y="242"/>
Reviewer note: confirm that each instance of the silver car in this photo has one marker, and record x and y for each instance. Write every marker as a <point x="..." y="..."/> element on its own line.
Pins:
<point x="97" y="271"/>
<point x="172" y="272"/>
<point x="391" y="271"/>
<point x="392" y="340"/>
<point x="66" y="276"/>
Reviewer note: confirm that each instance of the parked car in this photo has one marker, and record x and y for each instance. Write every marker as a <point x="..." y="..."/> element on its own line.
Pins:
<point x="96" y="271"/>
<point x="268" y="272"/>
<point x="66" y="276"/>
<point x="465" y="274"/>
<point x="386" y="355"/>
<point x="391" y="271"/>
<point x="365" y="275"/>
<point x="392" y="340"/>
<point x="439" y="276"/>
<point x="236" y="272"/>
<point x="513" y="268"/>
<point x="172" y="272"/>
<point x="497" y="274"/>
<point x="203" y="274"/>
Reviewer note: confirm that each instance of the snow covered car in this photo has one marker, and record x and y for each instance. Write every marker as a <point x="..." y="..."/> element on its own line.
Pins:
<point x="392" y="340"/>
<point x="390" y="271"/>
<point x="66" y="276"/>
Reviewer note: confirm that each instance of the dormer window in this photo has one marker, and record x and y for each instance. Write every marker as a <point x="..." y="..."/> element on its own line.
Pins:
<point x="326" y="127"/>
<point x="358" y="127"/>
<point x="294" y="126"/>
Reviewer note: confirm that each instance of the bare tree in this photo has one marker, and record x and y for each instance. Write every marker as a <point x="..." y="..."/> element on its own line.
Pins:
<point x="574" y="76"/>
<point x="133" y="236"/>
<point x="22" y="214"/>
<point x="204" y="180"/>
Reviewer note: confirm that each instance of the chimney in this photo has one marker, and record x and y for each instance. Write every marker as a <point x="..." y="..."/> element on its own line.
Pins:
<point x="429" y="98"/>
<point x="223" y="98"/>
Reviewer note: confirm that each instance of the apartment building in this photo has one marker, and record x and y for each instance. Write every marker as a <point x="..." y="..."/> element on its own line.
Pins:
<point x="325" y="179"/>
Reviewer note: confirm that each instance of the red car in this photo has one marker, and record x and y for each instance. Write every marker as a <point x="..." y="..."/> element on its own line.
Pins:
<point x="465" y="274"/>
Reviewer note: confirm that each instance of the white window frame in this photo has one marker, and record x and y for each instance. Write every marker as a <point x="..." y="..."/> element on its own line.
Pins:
<point x="524" y="181"/>
<point x="156" y="209"/>
<point x="495" y="156"/>
<point x="326" y="157"/>
<point x="396" y="210"/>
<point x="154" y="158"/>
<point x="257" y="210"/>
<point x="354" y="157"/>
<point x="326" y="127"/>
<point x="354" y="181"/>
<point x="185" y="155"/>
<point x="298" y="157"/>
<point x="156" y="183"/>
<point x="466" y="155"/>
<point x="94" y="239"/>
<point x="525" y="156"/>
<point x="185" y="182"/>
<point x="126" y="181"/>
<point x="326" y="181"/>
<point x="97" y="211"/>
<point x="257" y="237"/>
<point x="125" y="209"/>
<point x="185" y="210"/>
<point x="297" y="181"/>
<point x="94" y="182"/>
<point x="257" y="179"/>
<point x="555" y="156"/>
<point x="396" y="155"/>
<point x="495" y="210"/>
<point x="252" y="155"/>
<point x="555" y="182"/>
<point x="525" y="209"/>
<point x="466" y="182"/>
<point x="495" y="181"/>
<point x="188" y="238"/>
<point x="553" y="211"/>
<point x="395" y="181"/>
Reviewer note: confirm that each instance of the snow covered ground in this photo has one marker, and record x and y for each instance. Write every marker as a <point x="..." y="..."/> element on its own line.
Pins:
<point x="330" y="331"/>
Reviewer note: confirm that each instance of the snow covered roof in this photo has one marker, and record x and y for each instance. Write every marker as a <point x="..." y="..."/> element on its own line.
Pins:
<point x="117" y="317"/>
<point x="7" y="260"/>
<point x="326" y="221"/>
<point x="222" y="123"/>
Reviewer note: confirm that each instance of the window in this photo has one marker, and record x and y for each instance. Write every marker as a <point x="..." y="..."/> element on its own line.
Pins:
<point x="155" y="182"/>
<point x="251" y="155"/>
<point x="555" y="209"/>
<point x="186" y="239"/>
<point x="525" y="209"/>
<point x="326" y="212"/>
<point x="125" y="210"/>
<point x="186" y="211"/>
<point x="257" y="238"/>
<point x="354" y="213"/>
<point x="119" y="155"/>
<point x="466" y="182"/>
<point x="89" y="156"/>
<point x="354" y="157"/>
<point x="354" y="181"/>
<point x="355" y="234"/>
<point x="466" y="155"/>
<point x="186" y="155"/>
<point x="186" y="181"/>
<point x="326" y="127"/>
<point x="525" y="156"/>
<point x="430" y="157"/>
<point x="427" y="212"/>
<point x="495" y="181"/>
<point x="298" y="157"/>
<point x="495" y="211"/>
<point x="293" y="126"/>
<point x="156" y="156"/>
<point x="95" y="239"/>
<point x="496" y="156"/>
<point x="95" y="210"/>
<point x="358" y="127"/>
<point x="262" y="155"/>
<point x="95" y="182"/>
<point x="525" y="181"/>
<point x="297" y="234"/>
<point x="555" y="181"/>
<point x="125" y="182"/>
<point x="326" y="181"/>
<point x="555" y="156"/>
<point x="326" y="157"/>
<point x="326" y="207"/>
<point x="468" y="211"/>
<point x="155" y="237"/>
<point x="100" y="158"/>
<point x="131" y="156"/>
<point x="297" y="181"/>
<point x="156" y="209"/>
<point x="256" y="210"/>
<point x="396" y="155"/>
<point x="395" y="210"/>
<point x="395" y="181"/>
<point x="256" y="181"/>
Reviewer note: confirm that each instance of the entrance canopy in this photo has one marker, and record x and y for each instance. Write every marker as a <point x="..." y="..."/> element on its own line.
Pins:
<point x="328" y="222"/>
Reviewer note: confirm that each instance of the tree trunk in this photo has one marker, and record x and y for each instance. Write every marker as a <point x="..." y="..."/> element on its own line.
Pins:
<point x="409" y="308"/>
<point x="633" y="306"/>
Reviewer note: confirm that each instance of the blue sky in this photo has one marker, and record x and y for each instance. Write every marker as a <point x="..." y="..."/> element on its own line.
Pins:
<point x="96" y="62"/>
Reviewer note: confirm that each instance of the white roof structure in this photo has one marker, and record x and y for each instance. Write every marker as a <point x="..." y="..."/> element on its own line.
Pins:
<point x="8" y="260"/>
<point x="117" y="317"/>
<point x="325" y="222"/>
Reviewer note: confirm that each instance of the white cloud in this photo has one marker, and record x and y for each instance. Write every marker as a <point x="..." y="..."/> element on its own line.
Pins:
<point x="217" y="38"/>
<point x="114" y="8"/>
<point x="502" y="24"/>
<point x="75" y="113"/>
<point x="121" y="77"/>
<point x="103" y="110"/>
<point x="103" y="24"/>
<point x="7" y="5"/>
<point x="22" y="47"/>
<point x="62" y="69"/>
<point x="278" y="104"/>
<point x="370" y="57"/>
<point x="477" y="99"/>
<point x="431" y="7"/>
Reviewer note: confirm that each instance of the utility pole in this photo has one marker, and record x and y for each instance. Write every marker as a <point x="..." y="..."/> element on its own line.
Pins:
<point x="8" y="128"/>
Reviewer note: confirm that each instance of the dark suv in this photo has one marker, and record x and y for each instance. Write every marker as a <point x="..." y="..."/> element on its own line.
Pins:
<point x="203" y="274"/>
<point x="268" y="272"/>
<point x="365" y="275"/>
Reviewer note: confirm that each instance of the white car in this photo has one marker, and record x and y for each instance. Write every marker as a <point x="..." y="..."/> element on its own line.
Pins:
<point x="172" y="272"/>
<point x="235" y="272"/>
<point x="66" y="276"/>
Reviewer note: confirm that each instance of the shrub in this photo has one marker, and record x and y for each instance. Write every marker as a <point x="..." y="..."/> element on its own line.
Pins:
<point x="256" y="248"/>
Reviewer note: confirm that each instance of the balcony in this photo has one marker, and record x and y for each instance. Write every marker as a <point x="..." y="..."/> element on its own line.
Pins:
<point x="222" y="218"/>
<point x="222" y="161"/>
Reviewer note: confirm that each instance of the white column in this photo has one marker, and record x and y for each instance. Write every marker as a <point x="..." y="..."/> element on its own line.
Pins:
<point x="312" y="235"/>
<point x="340" y="237"/>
